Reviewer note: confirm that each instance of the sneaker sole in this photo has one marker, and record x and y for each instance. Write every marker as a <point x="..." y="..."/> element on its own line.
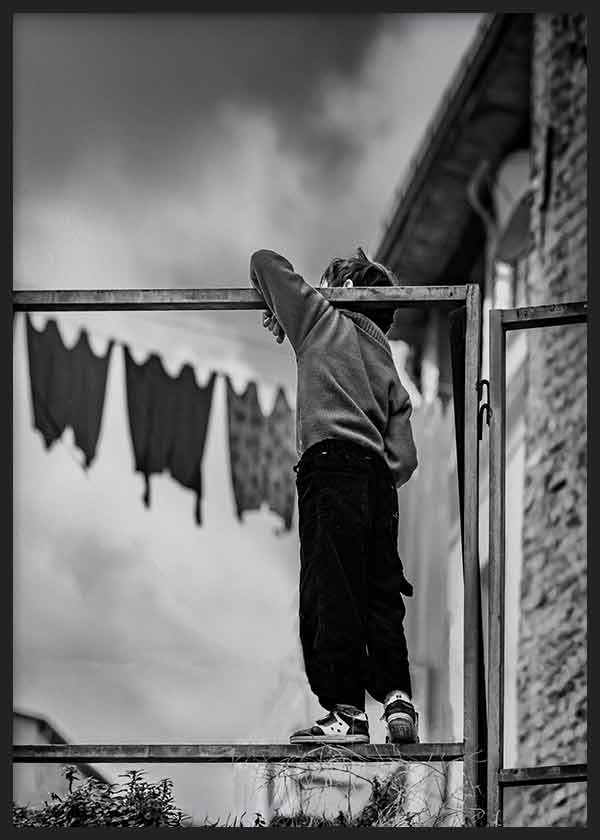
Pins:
<point x="330" y="739"/>
<point x="389" y="740"/>
<point x="401" y="734"/>
<point x="402" y="729"/>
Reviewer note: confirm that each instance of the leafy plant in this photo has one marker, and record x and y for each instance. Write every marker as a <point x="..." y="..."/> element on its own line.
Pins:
<point x="135" y="803"/>
<point x="405" y="798"/>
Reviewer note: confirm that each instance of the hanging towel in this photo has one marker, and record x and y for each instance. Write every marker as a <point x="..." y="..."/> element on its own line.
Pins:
<point x="68" y="387"/>
<point x="262" y="453"/>
<point x="279" y="459"/>
<point x="168" y="421"/>
<point x="246" y="438"/>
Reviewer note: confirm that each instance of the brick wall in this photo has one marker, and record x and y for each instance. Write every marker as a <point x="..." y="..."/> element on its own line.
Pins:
<point x="552" y="651"/>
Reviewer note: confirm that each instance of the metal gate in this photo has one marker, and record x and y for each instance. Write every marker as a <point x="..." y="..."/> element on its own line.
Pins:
<point x="498" y="776"/>
<point x="465" y="302"/>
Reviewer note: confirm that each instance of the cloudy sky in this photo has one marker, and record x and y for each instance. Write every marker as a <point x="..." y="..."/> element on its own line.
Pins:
<point x="160" y="151"/>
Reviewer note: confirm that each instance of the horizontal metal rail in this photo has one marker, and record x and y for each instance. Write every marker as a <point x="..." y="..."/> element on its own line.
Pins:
<point x="529" y="317"/>
<point x="236" y="753"/>
<point x="153" y="299"/>
<point x="551" y="774"/>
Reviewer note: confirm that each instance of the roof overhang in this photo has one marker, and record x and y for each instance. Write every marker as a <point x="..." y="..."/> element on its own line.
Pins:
<point x="434" y="236"/>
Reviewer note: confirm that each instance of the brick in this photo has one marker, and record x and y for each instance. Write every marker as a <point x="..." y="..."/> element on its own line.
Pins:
<point x="552" y="680"/>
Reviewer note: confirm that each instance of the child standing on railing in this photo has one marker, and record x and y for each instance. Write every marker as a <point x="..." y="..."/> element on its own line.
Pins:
<point x="356" y="446"/>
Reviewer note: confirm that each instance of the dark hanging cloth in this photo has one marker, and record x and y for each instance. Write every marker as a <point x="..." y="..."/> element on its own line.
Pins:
<point x="262" y="453"/>
<point x="279" y="459"/>
<point x="168" y="422"/>
<point x="192" y="406"/>
<point x="68" y="387"/>
<point x="246" y="437"/>
<point x="150" y="411"/>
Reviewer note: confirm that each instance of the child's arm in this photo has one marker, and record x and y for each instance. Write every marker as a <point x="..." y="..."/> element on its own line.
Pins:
<point x="295" y="303"/>
<point x="399" y="442"/>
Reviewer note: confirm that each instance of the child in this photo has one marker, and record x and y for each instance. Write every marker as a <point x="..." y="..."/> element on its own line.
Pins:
<point x="354" y="437"/>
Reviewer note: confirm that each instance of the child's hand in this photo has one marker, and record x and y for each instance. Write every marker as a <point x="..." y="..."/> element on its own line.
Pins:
<point x="270" y="322"/>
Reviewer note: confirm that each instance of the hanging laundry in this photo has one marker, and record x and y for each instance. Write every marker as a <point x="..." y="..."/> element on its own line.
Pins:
<point x="168" y="421"/>
<point x="192" y="411"/>
<point x="68" y="386"/>
<point x="150" y="410"/>
<point x="279" y="459"/>
<point x="49" y="377"/>
<point x="262" y="453"/>
<point x="246" y="436"/>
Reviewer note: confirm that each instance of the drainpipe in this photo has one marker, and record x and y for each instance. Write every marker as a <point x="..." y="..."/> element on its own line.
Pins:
<point x="480" y="177"/>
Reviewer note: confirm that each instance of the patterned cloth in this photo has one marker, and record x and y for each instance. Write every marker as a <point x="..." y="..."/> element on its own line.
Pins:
<point x="262" y="453"/>
<point x="246" y="454"/>
<point x="279" y="458"/>
<point x="168" y="422"/>
<point x="68" y="386"/>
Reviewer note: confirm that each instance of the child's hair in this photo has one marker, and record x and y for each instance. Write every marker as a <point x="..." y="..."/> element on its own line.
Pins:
<point x="361" y="271"/>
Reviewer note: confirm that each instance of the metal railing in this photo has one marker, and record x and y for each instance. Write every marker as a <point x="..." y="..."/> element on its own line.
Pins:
<point x="471" y="751"/>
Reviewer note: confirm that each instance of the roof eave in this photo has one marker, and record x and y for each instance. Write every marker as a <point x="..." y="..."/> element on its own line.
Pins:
<point x="455" y="105"/>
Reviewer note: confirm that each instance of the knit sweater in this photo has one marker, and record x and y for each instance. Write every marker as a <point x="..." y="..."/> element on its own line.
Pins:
<point x="347" y="384"/>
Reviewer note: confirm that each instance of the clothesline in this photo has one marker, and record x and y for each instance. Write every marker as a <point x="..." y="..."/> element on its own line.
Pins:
<point x="168" y="320"/>
<point x="261" y="445"/>
<point x="168" y="419"/>
<point x="147" y="350"/>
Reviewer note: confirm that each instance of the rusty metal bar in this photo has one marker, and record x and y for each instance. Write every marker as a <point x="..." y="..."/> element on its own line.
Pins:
<point x="496" y="566"/>
<point x="167" y="299"/>
<point x="547" y="775"/>
<point x="529" y="317"/>
<point x="236" y="753"/>
<point x="474" y="689"/>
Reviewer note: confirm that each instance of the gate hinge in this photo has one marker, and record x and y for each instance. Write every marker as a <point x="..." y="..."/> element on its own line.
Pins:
<point x="484" y="408"/>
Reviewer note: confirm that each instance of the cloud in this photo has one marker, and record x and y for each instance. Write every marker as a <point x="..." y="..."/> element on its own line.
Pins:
<point x="144" y="81"/>
<point x="243" y="175"/>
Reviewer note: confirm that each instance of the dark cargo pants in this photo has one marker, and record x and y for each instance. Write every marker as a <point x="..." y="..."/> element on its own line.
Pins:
<point x="351" y="576"/>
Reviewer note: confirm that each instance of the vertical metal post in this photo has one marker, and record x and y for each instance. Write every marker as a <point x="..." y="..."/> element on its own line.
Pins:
<point x="474" y="684"/>
<point x="496" y="567"/>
